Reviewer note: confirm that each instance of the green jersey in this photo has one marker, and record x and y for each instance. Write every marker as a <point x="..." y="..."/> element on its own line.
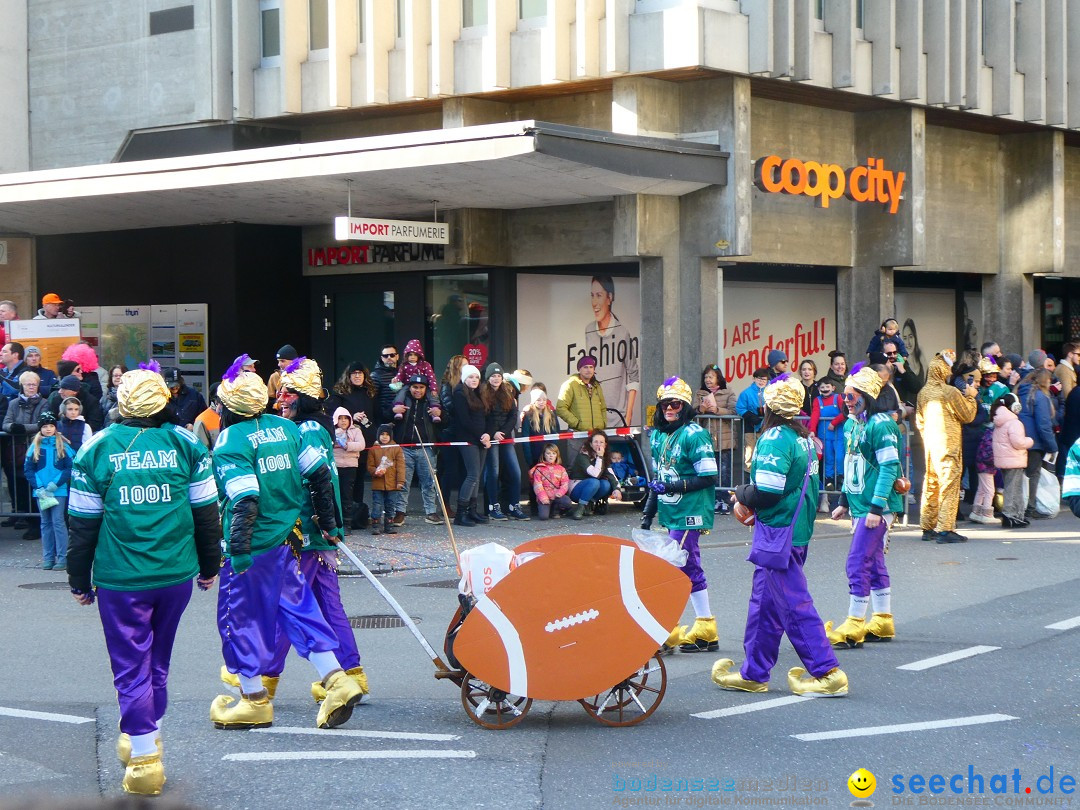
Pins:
<point x="780" y="464"/>
<point x="871" y="465"/>
<point x="686" y="452"/>
<point x="264" y="457"/>
<point x="1070" y="486"/>
<point x="314" y="436"/>
<point x="142" y="483"/>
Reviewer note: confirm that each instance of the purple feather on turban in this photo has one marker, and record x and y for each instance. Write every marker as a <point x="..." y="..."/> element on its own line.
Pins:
<point x="234" y="371"/>
<point x="294" y="365"/>
<point x="151" y="365"/>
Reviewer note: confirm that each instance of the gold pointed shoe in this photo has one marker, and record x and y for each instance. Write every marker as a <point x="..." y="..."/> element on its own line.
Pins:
<point x="250" y="711"/>
<point x="880" y="627"/>
<point x="232" y="681"/>
<point x="318" y="691"/>
<point x="342" y="693"/>
<point x="734" y="680"/>
<point x="833" y="683"/>
<point x="123" y="747"/>
<point x="144" y="775"/>
<point x="851" y="633"/>
<point x="702" y="636"/>
<point x="674" y="640"/>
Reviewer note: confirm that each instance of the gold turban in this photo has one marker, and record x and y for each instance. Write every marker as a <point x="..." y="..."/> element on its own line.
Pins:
<point x="987" y="366"/>
<point x="141" y="393"/>
<point x="244" y="395"/>
<point x="784" y="397"/>
<point x="866" y="380"/>
<point x="674" y="388"/>
<point x="303" y="376"/>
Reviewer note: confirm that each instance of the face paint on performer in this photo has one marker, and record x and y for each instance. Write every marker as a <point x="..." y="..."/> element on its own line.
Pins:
<point x="287" y="401"/>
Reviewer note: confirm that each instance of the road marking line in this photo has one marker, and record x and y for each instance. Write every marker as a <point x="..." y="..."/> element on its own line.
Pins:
<point x="278" y="756"/>
<point x="871" y="731"/>
<point x="384" y="735"/>
<point x="757" y="706"/>
<point x="947" y="658"/>
<point x="1068" y="624"/>
<point x="55" y="718"/>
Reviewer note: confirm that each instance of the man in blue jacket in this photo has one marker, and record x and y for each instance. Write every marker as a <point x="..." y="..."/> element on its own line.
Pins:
<point x="751" y="407"/>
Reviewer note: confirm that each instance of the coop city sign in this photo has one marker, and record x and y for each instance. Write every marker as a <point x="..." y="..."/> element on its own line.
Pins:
<point x="827" y="181"/>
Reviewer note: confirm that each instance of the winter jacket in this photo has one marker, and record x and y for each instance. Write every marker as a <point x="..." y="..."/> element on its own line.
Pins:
<point x="879" y="338"/>
<point x="1036" y="416"/>
<point x="187" y="404"/>
<point x="22" y="415"/>
<point x="582" y="406"/>
<point x="358" y="400"/>
<point x="720" y="402"/>
<point x="347" y="443"/>
<point x="416" y="418"/>
<point x="1067" y="374"/>
<point x="48" y="468"/>
<point x="1070" y="425"/>
<point x="549" y="481"/>
<point x="206" y="428"/>
<point x="91" y="407"/>
<point x="579" y="471"/>
<point x="502" y="419"/>
<point x="108" y="403"/>
<point x="469" y="424"/>
<point x="422" y="366"/>
<point x="382" y="375"/>
<point x="76" y="431"/>
<point x="394" y="478"/>
<point x="751" y="406"/>
<point x="1010" y="443"/>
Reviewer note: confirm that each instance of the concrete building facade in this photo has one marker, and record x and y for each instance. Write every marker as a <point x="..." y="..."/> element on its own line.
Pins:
<point x="888" y="158"/>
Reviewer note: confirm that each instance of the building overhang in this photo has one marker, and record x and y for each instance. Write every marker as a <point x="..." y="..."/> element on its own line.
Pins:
<point x="521" y="164"/>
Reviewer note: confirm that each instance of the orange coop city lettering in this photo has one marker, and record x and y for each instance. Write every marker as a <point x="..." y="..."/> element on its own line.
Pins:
<point x="825" y="182"/>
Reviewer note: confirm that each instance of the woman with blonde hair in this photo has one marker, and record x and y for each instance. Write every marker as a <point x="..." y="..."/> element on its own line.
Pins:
<point x="537" y="419"/>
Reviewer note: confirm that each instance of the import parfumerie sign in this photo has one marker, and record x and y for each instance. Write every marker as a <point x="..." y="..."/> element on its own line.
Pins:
<point x="391" y="230"/>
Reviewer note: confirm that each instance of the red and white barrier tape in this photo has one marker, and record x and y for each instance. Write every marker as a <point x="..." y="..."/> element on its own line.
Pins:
<point x="546" y="437"/>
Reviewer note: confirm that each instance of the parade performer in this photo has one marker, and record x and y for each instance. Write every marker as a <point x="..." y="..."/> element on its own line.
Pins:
<point x="299" y="400"/>
<point x="261" y="463"/>
<point x="683" y="491"/>
<point x="780" y="601"/>
<point x="871" y="465"/>
<point x="144" y="523"/>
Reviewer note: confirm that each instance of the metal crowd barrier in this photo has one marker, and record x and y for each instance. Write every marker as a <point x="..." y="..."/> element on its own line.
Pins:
<point x="15" y="498"/>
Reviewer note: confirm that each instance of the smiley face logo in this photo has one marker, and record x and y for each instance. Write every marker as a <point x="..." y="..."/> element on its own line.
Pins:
<point x="862" y="783"/>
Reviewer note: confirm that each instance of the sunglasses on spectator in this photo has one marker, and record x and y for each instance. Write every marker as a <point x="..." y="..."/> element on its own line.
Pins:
<point x="850" y="397"/>
<point x="672" y="405"/>
<point x="390" y="354"/>
<point x="892" y="354"/>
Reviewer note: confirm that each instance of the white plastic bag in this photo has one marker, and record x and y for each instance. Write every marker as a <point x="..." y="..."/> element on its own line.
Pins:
<point x="1048" y="495"/>
<point x="482" y="568"/>
<point x="660" y="545"/>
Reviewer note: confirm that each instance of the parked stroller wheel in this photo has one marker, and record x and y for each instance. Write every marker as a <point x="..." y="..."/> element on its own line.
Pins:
<point x="490" y="707"/>
<point x="631" y="701"/>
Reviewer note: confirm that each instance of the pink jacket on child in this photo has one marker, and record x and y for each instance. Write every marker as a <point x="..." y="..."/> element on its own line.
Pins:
<point x="549" y="481"/>
<point x="1010" y="442"/>
<point x="349" y="455"/>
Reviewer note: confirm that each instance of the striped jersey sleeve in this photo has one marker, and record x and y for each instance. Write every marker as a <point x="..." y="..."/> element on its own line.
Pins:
<point x="233" y="464"/>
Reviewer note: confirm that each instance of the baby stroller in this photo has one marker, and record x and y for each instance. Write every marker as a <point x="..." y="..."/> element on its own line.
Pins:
<point x="634" y="477"/>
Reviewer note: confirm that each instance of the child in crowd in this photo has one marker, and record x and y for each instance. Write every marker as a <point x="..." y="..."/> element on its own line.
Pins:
<point x="386" y="464"/>
<point x="1010" y="456"/>
<point x="414" y="363"/>
<point x="888" y="329"/>
<point x="537" y="419"/>
<point x="72" y="425"/>
<point x="48" y="469"/>
<point x="348" y="444"/>
<point x="551" y="483"/>
<point x="624" y="469"/>
<point x="826" y="422"/>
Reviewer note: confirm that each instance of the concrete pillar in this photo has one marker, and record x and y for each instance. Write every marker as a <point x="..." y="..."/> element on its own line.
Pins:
<point x="1008" y="307"/>
<point x="864" y="298"/>
<point x="478" y="236"/>
<point x="17" y="275"/>
<point x="14" y="94"/>
<point x="462" y="111"/>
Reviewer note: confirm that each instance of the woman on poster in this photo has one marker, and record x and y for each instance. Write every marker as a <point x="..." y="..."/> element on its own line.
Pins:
<point x="615" y="351"/>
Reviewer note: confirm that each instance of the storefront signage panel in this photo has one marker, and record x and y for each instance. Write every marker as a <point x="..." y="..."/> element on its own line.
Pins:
<point x="824" y="182"/>
<point x="797" y="319"/>
<point x="333" y="255"/>
<point x="927" y="319"/>
<point x="391" y="230"/>
<point x="563" y="318"/>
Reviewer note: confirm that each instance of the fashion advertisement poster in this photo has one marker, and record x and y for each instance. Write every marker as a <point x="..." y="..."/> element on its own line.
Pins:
<point x="927" y="319"/>
<point x="563" y="318"/>
<point x="797" y="319"/>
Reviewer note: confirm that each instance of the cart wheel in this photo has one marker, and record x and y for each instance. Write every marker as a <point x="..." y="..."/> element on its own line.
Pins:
<point x="630" y="702"/>
<point x="490" y="707"/>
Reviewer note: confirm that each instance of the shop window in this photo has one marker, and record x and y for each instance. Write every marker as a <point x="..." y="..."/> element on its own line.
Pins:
<point x="318" y="25"/>
<point x="457" y="309"/>
<point x="270" y="25"/>
<point x="529" y="9"/>
<point x="360" y="23"/>
<point x="473" y="13"/>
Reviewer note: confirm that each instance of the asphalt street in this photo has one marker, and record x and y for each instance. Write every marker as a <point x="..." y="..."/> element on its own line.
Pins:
<point x="979" y="687"/>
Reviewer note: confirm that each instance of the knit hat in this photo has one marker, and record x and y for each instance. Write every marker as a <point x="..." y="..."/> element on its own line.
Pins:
<point x="784" y="396"/>
<point x="71" y="383"/>
<point x="534" y="395"/>
<point x="287" y="352"/>
<point x="31" y="350"/>
<point x="46" y="418"/>
<point x="142" y="392"/>
<point x="491" y="370"/>
<point x="674" y="388"/>
<point x="1037" y="358"/>
<point x="776" y="356"/>
<point x="587" y="360"/>
<point x="867" y="380"/>
<point x="386" y="427"/>
<point x="1014" y="360"/>
<point x="354" y="367"/>
<point x="304" y="376"/>
<point x="242" y="392"/>
<point x="468" y="370"/>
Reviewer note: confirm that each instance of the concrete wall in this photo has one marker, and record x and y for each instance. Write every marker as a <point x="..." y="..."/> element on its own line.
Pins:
<point x="1072" y="212"/>
<point x="14" y="98"/>
<point x="17" y="275"/>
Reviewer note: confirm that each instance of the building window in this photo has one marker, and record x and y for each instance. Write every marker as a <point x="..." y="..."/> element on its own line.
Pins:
<point x="318" y="25"/>
<point x="473" y="13"/>
<point x="270" y="17"/>
<point x="399" y="11"/>
<point x="170" y="20"/>
<point x="360" y="23"/>
<point x="819" y="9"/>
<point x="456" y="307"/>
<point x="860" y="13"/>
<point x="528" y="9"/>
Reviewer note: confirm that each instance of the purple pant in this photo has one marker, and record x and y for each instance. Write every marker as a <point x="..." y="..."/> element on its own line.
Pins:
<point x="781" y="603"/>
<point x="866" y="569"/>
<point x="319" y="570"/>
<point x="251" y="607"/>
<point x="140" y="628"/>
<point x="689" y="540"/>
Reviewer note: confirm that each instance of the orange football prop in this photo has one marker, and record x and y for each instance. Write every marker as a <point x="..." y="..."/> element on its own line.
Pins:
<point x="558" y="541"/>
<point x="572" y="623"/>
<point x="744" y="514"/>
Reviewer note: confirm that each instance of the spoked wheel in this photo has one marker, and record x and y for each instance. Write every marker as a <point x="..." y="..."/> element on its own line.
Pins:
<point x="630" y="702"/>
<point x="490" y="707"/>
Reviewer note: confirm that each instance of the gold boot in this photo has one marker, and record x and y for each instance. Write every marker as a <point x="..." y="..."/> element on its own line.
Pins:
<point x="832" y="684"/>
<point x="734" y="680"/>
<point x="677" y="637"/>
<point x="880" y="628"/>
<point x="123" y="747"/>
<point x="250" y="711"/>
<point x="232" y="680"/>
<point x="851" y="633"/>
<point x="702" y="636"/>
<point x="144" y="775"/>
<point x="342" y="693"/>
<point x="318" y="691"/>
